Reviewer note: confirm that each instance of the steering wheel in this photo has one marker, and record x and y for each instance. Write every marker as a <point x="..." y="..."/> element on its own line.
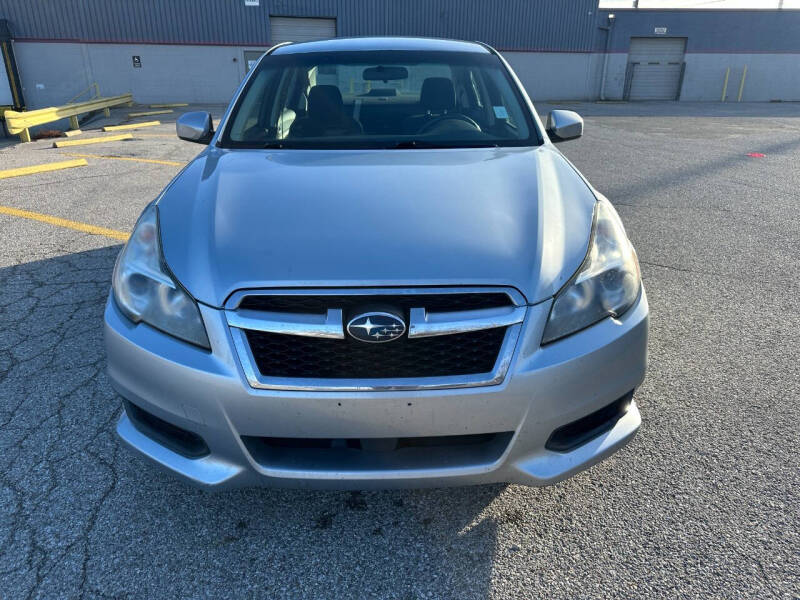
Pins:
<point x="451" y="117"/>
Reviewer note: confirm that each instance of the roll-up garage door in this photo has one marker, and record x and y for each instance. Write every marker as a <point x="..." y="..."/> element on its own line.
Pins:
<point x="295" y="29"/>
<point x="655" y="68"/>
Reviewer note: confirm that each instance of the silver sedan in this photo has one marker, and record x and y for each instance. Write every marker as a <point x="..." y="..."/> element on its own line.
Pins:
<point x="379" y="272"/>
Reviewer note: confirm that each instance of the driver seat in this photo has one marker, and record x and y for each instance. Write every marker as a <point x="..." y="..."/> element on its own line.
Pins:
<point x="326" y="115"/>
<point x="437" y="97"/>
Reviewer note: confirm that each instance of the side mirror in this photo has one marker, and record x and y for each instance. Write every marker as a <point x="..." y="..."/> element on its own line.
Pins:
<point x="564" y="125"/>
<point x="195" y="127"/>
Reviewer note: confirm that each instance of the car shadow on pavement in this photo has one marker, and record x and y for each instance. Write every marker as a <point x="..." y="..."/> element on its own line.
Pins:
<point x="80" y="515"/>
<point x="672" y="176"/>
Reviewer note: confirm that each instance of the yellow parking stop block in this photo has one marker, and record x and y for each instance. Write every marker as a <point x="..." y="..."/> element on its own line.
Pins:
<point x="97" y="140"/>
<point x="54" y="166"/>
<point x="131" y="126"/>
<point x="154" y="161"/>
<point x="73" y="132"/>
<point x="150" y="112"/>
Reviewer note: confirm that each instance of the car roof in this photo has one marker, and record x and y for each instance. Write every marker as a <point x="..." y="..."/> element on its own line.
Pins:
<point x="382" y="43"/>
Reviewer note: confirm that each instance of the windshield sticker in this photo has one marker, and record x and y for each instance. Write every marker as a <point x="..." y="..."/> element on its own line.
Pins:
<point x="500" y="112"/>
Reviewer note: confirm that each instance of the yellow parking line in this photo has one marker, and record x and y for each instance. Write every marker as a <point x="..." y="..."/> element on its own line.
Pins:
<point x="150" y="112"/>
<point x="59" y="222"/>
<point x="144" y="135"/>
<point x="131" y="126"/>
<point x="173" y="105"/>
<point x="54" y="166"/>
<point x="98" y="140"/>
<point x="171" y="163"/>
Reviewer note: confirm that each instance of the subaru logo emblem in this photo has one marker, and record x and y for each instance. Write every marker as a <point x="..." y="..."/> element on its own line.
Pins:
<point x="376" y="327"/>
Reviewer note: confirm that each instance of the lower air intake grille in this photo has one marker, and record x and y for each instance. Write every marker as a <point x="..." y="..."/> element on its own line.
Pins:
<point x="378" y="454"/>
<point x="278" y="355"/>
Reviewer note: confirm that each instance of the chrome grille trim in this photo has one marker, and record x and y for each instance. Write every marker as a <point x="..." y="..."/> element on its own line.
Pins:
<point x="517" y="299"/>
<point x="425" y="324"/>
<point x="328" y="326"/>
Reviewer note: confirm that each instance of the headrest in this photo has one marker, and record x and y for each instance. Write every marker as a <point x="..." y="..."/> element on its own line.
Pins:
<point x="324" y="100"/>
<point x="437" y="94"/>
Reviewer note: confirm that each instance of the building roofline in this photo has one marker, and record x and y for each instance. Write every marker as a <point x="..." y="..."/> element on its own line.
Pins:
<point x="697" y="10"/>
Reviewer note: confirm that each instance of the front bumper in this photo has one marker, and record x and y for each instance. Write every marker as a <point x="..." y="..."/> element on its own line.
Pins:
<point x="546" y="388"/>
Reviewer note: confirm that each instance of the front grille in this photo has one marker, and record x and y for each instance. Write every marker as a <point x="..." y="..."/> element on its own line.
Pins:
<point x="461" y="337"/>
<point x="278" y="355"/>
<point x="434" y="302"/>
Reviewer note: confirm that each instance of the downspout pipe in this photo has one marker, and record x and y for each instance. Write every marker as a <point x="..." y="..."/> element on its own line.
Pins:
<point x="608" y="29"/>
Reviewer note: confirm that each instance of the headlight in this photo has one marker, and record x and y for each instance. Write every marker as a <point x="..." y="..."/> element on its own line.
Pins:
<point x="146" y="291"/>
<point x="606" y="284"/>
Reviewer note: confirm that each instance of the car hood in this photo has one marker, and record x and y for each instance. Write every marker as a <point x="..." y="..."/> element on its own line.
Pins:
<point x="238" y="219"/>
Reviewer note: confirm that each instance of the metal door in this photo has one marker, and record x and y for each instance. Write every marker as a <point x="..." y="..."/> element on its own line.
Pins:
<point x="6" y="97"/>
<point x="296" y="29"/>
<point x="655" y="68"/>
<point x="10" y="87"/>
<point x="251" y="58"/>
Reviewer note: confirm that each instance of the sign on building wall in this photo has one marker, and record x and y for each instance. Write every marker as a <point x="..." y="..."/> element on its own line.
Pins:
<point x="137" y="62"/>
<point x="660" y="30"/>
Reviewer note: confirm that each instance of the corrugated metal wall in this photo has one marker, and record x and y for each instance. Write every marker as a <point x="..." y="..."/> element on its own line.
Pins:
<point x="548" y="25"/>
<point x="162" y="21"/>
<point x="544" y="25"/>
<point x="512" y="24"/>
<point x="712" y="31"/>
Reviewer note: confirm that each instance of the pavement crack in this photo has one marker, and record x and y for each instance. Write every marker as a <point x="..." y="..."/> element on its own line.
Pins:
<point x="663" y="266"/>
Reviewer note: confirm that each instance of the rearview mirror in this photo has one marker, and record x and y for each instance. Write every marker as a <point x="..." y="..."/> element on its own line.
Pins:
<point x="195" y="127"/>
<point x="382" y="73"/>
<point x="564" y="125"/>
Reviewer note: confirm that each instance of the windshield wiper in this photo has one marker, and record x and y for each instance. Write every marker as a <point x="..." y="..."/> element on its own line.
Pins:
<point x="415" y="144"/>
<point x="274" y="144"/>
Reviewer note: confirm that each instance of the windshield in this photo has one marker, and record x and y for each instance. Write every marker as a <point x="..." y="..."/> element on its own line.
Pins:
<point x="380" y="99"/>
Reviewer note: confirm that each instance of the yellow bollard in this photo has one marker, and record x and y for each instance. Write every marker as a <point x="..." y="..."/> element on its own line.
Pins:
<point x="725" y="85"/>
<point x="741" y="85"/>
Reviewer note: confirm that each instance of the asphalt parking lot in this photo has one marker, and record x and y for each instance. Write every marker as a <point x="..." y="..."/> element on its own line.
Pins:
<point x="703" y="503"/>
